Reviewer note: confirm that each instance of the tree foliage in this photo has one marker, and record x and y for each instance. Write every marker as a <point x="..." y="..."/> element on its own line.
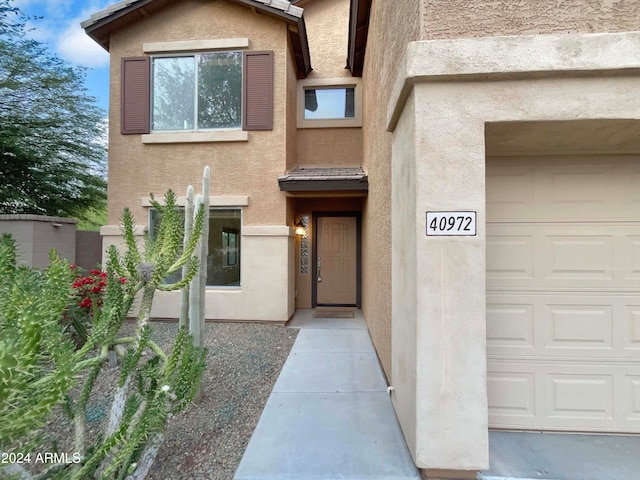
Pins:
<point x="52" y="160"/>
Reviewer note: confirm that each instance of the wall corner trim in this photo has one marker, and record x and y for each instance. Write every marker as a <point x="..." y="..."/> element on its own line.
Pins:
<point x="195" y="45"/>
<point x="196" y="137"/>
<point x="267" y="231"/>
<point x="214" y="201"/>
<point x="116" y="230"/>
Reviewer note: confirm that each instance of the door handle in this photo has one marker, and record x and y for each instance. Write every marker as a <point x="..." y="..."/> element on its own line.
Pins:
<point x="319" y="279"/>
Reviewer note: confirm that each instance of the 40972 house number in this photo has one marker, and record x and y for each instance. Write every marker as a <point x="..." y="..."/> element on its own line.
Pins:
<point x="451" y="223"/>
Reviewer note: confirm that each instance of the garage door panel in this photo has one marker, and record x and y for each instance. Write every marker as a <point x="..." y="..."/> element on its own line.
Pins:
<point x="563" y="189"/>
<point x="554" y="396"/>
<point x="629" y="250"/>
<point x="511" y="394"/>
<point x="581" y="258"/>
<point x="579" y="395"/>
<point x="510" y="191"/>
<point x="572" y="188"/>
<point x="573" y="256"/>
<point x="575" y="328"/>
<point x="510" y="257"/>
<point x="556" y="325"/>
<point x="630" y="188"/>
<point x="563" y="293"/>
<point x="633" y="409"/>
<point x="630" y="333"/>
<point x="510" y="325"/>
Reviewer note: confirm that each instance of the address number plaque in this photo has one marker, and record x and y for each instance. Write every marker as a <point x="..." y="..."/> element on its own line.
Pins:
<point x="451" y="224"/>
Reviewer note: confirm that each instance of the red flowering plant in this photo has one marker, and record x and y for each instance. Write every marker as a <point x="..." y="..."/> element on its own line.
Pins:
<point x="85" y="302"/>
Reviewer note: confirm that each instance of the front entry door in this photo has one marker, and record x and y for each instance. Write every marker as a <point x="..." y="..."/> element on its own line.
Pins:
<point x="336" y="264"/>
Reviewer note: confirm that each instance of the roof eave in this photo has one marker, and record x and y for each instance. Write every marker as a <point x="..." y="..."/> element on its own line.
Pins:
<point x="300" y="44"/>
<point x="100" y="29"/>
<point x="359" y="14"/>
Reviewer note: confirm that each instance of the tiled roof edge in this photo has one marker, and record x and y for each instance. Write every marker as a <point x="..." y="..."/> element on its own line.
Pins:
<point x="283" y="5"/>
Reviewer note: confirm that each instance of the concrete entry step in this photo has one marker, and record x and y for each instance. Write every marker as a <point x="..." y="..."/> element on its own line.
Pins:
<point x="550" y="456"/>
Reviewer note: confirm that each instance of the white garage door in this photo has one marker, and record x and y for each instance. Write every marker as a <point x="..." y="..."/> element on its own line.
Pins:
<point x="563" y="293"/>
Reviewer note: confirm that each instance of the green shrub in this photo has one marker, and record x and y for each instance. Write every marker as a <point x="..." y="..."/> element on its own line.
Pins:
<point x="36" y="358"/>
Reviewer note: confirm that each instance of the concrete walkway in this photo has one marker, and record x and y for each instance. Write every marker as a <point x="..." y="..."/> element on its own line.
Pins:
<point x="329" y="415"/>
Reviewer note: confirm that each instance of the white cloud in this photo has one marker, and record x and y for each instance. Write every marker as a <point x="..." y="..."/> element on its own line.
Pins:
<point x="74" y="45"/>
<point x="60" y="28"/>
<point x="52" y="8"/>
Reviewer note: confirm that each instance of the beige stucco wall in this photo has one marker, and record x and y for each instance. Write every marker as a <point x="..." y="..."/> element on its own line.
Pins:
<point x="266" y="292"/>
<point x="392" y="26"/>
<point x="461" y="18"/>
<point x="327" y="23"/>
<point x="329" y="147"/>
<point x="36" y="235"/>
<point x="237" y="168"/>
<point x="445" y="95"/>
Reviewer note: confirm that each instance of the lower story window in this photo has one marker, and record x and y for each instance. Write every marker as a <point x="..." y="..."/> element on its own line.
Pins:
<point x="223" y="260"/>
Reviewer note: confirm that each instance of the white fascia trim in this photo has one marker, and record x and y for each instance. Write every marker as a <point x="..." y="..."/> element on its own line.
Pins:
<point x="214" y="201"/>
<point x="195" y="45"/>
<point x="196" y="137"/>
<point x="268" y="231"/>
<point x="500" y="58"/>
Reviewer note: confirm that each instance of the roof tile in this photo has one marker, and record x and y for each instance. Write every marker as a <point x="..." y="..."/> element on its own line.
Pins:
<point x="283" y="5"/>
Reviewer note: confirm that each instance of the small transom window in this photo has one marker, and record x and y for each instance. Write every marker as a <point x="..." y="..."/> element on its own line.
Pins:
<point x="329" y="103"/>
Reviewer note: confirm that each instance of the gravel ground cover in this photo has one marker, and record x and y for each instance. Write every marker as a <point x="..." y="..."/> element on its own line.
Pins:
<point x="207" y="440"/>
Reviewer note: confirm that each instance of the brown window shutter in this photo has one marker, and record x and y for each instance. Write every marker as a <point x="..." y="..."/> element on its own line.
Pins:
<point x="257" y="97"/>
<point x="134" y="98"/>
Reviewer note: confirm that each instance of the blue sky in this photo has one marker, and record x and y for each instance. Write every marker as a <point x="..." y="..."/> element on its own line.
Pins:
<point x="60" y="30"/>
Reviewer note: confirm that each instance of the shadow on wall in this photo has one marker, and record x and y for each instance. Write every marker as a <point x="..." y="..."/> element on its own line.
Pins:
<point x="36" y="235"/>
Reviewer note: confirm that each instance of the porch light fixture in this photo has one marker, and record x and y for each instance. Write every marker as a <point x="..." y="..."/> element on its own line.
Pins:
<point x="300" y="228"/>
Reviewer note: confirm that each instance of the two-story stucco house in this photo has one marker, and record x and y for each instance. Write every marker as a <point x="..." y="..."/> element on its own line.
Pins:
<point x="466" y="173"/>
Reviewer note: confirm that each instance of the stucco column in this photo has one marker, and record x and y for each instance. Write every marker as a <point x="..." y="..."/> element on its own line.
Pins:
<point x="441" y="149"/>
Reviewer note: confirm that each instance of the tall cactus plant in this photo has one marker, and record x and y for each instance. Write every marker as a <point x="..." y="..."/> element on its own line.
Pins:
<point x="38" y="366"/>
<point x="204" y="252"/>
<point x="149" y="389"/>
<point x="188" y="232"/>
<point x="197" y="287"/>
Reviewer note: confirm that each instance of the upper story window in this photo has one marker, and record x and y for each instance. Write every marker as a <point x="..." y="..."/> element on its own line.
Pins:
<point x="197" y="92"/>
<point x="329" y="102"/>
<point x="324" y="103"/>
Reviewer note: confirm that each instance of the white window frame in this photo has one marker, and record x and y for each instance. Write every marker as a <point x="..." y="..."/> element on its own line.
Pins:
<point x="343" y="82"/>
